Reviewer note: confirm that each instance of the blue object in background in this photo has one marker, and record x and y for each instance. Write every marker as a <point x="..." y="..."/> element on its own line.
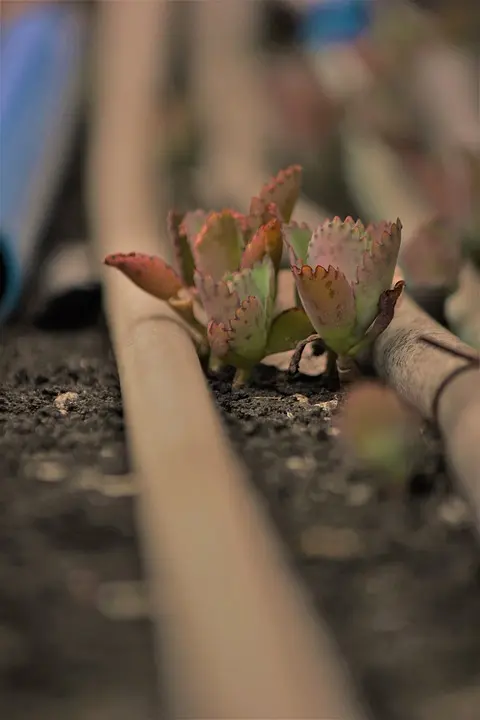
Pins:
<point x="334" y="21"/>
<point x="41" y="73"/>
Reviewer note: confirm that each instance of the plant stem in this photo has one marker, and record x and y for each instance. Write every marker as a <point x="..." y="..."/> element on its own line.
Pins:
<point x="331" y="371"/>
<point x="242" y="376"/>
<point x="215" y="364"/>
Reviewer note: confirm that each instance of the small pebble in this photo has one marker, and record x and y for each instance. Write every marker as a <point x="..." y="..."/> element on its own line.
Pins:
<point x="359" y="494"/>
<point x="328" y="406"/>
<point x="65" y="402"/>
<point x="454" y="512"/>
<point x="300" y="464"/>
<point x="332" y="543"/>
<point x="47" y="470"/>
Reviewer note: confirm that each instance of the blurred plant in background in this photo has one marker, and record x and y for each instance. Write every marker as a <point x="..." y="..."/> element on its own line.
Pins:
<point x="379" y="433"/>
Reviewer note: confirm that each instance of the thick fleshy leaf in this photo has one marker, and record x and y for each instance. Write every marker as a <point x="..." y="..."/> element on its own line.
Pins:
<point x="248" y="331"/>
<point x="385" y="312"/>
<point x="240" y="342"/>
<point x="268" y="240"/>
<point x="340" y="243"/>
<point x="183" y="253"/>
<point x="218" y="338"/>
<point x="219" y="245"/>
<point x="192" y="222"/>
<point x="218" y="299"/>
<point x="259" y="281"/>
<point x="375" y="273"/>
<point x="284" y="190"/>
<point x="328" y="299"/>
<point x="260" y="213"/>
<point x="148" y="272"/>
<point x="287" y="330"/>
<point x="297" y="238"/>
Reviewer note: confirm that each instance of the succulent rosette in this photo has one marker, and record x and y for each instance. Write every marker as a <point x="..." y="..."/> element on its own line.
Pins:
<point x="225" y="280"/>
<point x="236" y="285"/>
<point x="276" y="201"/>
<point x="344" y="273"/>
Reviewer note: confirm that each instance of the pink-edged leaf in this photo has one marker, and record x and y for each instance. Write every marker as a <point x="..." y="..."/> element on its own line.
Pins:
<point x="328" y="299"/>
<point x="268" y="240"/>
<point x="218" y="338"/>
<point x="183" y="253"/>
<point x="287" y="330"/>
<point x="219" y="245"/>
<point x="340" y="243"/>
<point x="148" y="272"/>
<point x="376" y="270"/>
<point x="248" y="331"/>
<point x="283" y="190"/>
<point x="192" y="222"/>
<point x="260" y="213"/>
<point x="219" y="302"/>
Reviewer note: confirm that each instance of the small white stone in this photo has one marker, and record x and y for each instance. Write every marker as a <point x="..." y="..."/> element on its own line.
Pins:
<point x="65" y="401"/>
<point x="454" y="512"/>
<point x="328" y="406"/>
<point x="302" y="399"/>
<point x="333" y="431"/>
<point x="300" y="464"/>
<point x="359" y="494"/>
<point x="49" y="471"/>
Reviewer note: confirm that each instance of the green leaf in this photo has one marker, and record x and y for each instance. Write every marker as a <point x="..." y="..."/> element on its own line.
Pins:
<point x="297" y="238"/>
<point x="287" y="330"/>
<point x="186" y="264"/>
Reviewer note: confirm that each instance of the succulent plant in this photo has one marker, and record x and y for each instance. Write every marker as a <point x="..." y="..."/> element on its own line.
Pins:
<point x="227" y="266"/>
<point x="344" y="272"/>
<point x="239" y="296"/>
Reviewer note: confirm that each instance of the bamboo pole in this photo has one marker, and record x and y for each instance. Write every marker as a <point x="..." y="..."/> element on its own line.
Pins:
<point x="441" y="385"/>
<point x="238" y="636"/>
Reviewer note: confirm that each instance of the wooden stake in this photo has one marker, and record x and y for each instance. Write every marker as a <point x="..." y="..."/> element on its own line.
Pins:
<point x="239" y="638"/>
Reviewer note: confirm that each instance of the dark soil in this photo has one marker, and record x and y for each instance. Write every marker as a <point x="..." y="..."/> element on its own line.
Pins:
<point x="398" y="579"/>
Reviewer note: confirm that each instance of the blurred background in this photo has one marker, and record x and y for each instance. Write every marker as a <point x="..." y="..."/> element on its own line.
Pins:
<point x="377" y="99"/>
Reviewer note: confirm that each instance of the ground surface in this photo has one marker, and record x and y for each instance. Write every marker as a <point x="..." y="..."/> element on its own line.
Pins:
<point x="398" y="579"/>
